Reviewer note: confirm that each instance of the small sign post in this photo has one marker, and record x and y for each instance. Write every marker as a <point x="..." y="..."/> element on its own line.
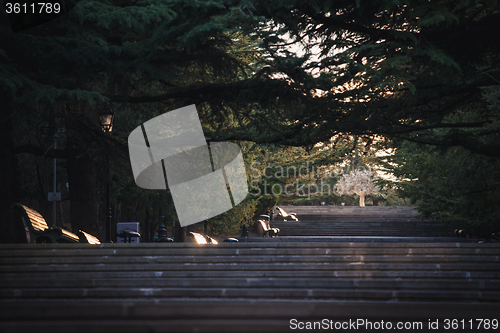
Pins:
<point x="54" y="196"/>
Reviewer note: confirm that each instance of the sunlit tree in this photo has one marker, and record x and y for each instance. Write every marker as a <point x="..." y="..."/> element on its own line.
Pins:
<point x="359" y="182"/>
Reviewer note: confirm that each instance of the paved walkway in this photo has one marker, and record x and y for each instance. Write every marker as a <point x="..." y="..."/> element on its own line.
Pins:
<point x="243" y="287"/>
<point x="362" y="239"/>
<point x="358" y="222"/>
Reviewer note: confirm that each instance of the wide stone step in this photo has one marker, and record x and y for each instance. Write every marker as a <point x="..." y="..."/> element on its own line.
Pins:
<point x="348" y="210"/>
<point x="365" y="220"/>
<point x="275" y="248"/>
<point x="243" y="248"/>
<point x="358" y="239"/>
<point x="360" y="229"/>
<point x="222" y="316"/>
<point x="272" y="292"/>
<point x="268" y="266"/>
<point x="347" y="231"/>
<point x="350" y="232"/>
<point x="367" y="228"/>
<point x="366" y="208"/>
<point x="234" y="282"/>
<point x="396" y="274"/>
<point x="361" y="233"/>
<point x="12" y="263"/>
<point x="187" y="288"/>
<point x="358" y="217"/>
<point x="372" y="227"/>
<point x="357" y="229"/>
<point x="358" y="221"/>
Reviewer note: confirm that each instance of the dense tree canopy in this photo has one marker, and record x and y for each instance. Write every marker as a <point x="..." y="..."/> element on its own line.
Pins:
<point x="399" y="69"/>
<point x="292" y="73"/>
<point x="456" y="186"/>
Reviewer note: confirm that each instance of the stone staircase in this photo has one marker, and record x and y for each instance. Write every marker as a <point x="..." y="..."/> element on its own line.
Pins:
<point x="242" y="287"/>
<point x="369" y="221"/>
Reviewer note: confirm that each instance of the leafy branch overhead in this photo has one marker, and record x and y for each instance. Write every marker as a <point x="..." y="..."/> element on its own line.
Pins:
<point x="308" y="70"/>
<point x="331" y="75"/>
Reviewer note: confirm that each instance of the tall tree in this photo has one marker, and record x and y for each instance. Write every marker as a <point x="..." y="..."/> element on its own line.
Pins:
<point x="456" y="186"/>
<point x="143" y="58"/>
<point x="393" y="68"/>
<point x="359" y="182"/>
<point x="400" y="69"/>
<point x="9" y="192"/>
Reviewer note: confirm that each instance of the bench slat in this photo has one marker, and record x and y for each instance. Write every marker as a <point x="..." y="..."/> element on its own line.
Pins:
<point x="89" y="238"/>
<point x="199" y="238"/>
<point x="70" y="235"/>
<point x="38" y="226"/>
<point x="36" y="219"/>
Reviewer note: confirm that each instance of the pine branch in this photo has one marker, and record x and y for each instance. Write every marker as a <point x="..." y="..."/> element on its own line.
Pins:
<point x="51" y="153"/>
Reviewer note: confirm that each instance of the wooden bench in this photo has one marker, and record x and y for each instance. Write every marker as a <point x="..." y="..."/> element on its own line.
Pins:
<point x="88" y="238"/>
<point x="128" y="234"/>
<point x="37" y="230"/>
<point x="284" y="215"/>
<point x="200" y="239"/>
<point x="266" y="228"/>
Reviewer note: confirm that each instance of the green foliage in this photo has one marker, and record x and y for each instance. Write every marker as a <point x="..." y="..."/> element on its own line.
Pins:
<point x="264" y="205"/>
<point x="366" y="73"/>
<point x="393" y="68"/>
<point x="456" y="186"/>
<point x="61" y="73"/>
<point x="231" y="222"/>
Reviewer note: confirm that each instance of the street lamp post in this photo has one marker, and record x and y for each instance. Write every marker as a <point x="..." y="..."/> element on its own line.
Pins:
<point x="244" y="233"/>
<point x="107" y="117"/>
<point x="61" y="133"/>
<point x="162" y="230"/>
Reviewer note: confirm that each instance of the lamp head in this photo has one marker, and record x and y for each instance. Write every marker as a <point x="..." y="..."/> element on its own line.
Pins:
<point x="107" y="117"/>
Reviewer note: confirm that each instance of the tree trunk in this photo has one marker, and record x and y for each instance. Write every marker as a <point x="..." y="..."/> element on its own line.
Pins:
<point x="83" y="195"/>
<point x="361" y="200"/>
<point x="180" y="233"/>
<point x="12" y="230"/>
